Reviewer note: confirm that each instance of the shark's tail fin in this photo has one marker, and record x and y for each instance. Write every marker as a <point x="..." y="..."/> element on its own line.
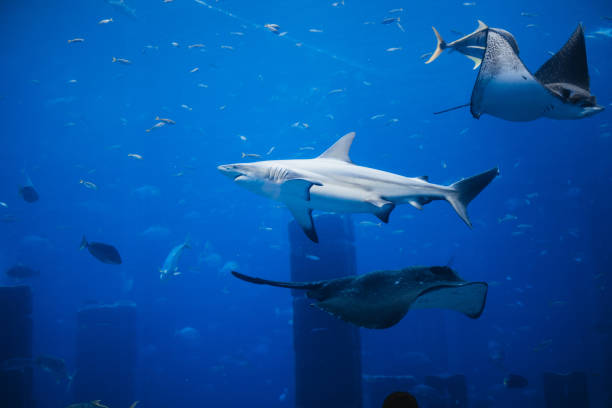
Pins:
<point x="83" y="243"/>
<point x="290" y="285"/>
<point x="440" y="46"/>
<point x="467" y="189"/>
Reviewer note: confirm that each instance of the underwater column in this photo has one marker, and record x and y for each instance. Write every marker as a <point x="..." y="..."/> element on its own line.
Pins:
<point x="327" y="350"/>
<point x="106" y="354"/>
<point x="15" y="346"/>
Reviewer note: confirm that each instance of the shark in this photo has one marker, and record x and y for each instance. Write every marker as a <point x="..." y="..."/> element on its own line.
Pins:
<point x="122" y="7"/>
<point x="560" y="89"/>
<point x="472" y="45"/>
<point x="332" y="182"/>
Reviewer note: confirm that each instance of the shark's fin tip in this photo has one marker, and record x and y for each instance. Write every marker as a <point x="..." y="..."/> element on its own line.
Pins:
<point x="340" y="150"/>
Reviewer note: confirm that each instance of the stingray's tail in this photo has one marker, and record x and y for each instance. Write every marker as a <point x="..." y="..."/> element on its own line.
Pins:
<point x="440" y="46"/>
<point x="290" y="285"/>
<point x="467" y="189"/>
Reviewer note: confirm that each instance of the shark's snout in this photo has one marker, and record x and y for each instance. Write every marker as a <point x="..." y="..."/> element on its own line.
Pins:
<point x="230" y="170"/>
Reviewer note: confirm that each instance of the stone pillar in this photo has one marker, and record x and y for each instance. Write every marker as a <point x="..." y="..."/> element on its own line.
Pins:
<point x="106" y="354"/>
<point x="15" y="344"/>
<point x="327" y="350"/>
<point x="565" y="390"/>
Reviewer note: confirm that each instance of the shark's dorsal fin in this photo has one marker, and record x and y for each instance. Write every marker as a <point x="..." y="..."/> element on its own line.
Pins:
<point x="340" y="149"/>
<point x="303" y="216"/>
<point x="424" y="178"/>
<point x="569" y="64"/>
<point x="481" y="26"/>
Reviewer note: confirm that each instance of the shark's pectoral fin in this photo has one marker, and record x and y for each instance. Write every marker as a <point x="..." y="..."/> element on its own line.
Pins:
<point x="298" y="187"/>
<point x="382" y="208"/>
<point x="303" y="216"/>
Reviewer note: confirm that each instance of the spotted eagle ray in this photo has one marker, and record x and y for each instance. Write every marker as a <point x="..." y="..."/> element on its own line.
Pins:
<point x="472" y="45"/>
<point x="558" y="90"/>
<point x="331" y="182"/>
<point x="379" y="300"/>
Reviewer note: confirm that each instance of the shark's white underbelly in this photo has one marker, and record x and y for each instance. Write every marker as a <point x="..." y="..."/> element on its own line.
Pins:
<point x="341" y="199"/>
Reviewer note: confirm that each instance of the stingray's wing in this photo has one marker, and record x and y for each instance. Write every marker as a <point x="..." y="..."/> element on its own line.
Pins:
<point x="569" y="64"/>
<point x="382" y="302"/>
<point x="468" y="298"/>
<point x="378" y="314"/>
<point x="504" y="87"/>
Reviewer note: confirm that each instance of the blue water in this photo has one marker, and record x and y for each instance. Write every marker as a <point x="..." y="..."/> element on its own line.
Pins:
<point x="548" y="306"/>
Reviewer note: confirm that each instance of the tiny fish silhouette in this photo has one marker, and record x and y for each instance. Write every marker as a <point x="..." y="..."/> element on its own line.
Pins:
<point x="103" y="252"/>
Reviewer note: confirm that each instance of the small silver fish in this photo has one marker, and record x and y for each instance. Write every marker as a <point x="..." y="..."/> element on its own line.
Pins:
<point x="122" y="61"/>
<point x="274" y="28"/>
<point x="390" y="20"/>
<point x="371" y="224"/>
<point x="165" y="120"/>
<point x="156" y="126"/>
<point x="88" y="184"/>
<point x="507" y="217"/>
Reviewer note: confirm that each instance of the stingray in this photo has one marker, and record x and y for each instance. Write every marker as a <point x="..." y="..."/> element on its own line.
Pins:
<point x="472" y="45"/>
<point x="379" y="300"/>
<point x="558" y="90"/>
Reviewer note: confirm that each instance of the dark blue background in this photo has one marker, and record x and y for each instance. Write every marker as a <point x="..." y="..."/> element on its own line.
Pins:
<point x="550" y="282"/>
